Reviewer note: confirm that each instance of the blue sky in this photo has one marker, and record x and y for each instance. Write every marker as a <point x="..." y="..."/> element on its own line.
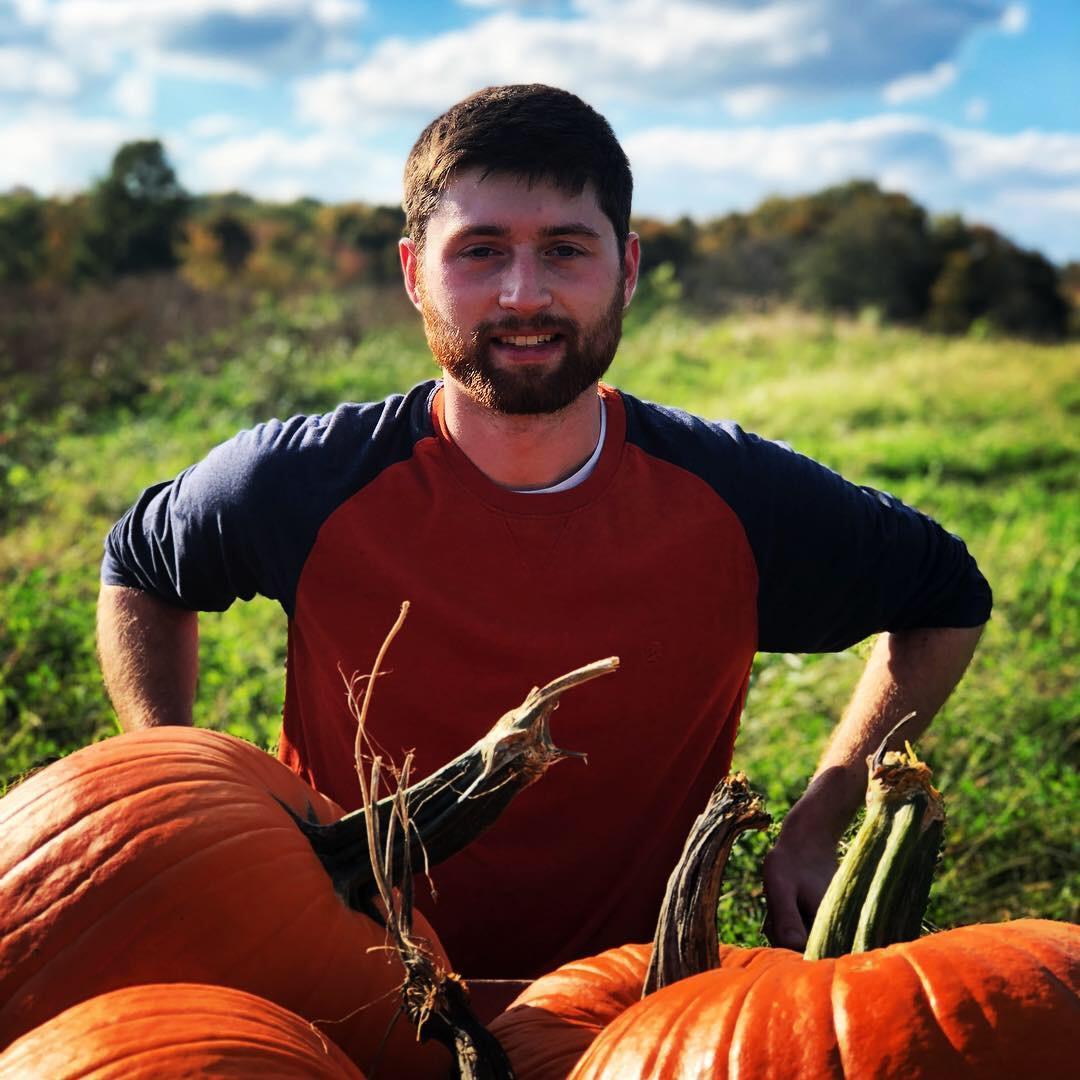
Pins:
<point x="970" y="106"/>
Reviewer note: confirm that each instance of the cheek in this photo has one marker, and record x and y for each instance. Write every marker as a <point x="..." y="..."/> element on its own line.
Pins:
<point x="460" y="298"/>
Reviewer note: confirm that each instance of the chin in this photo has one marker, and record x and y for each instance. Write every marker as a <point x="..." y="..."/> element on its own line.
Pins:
<point x="527" y="391"/>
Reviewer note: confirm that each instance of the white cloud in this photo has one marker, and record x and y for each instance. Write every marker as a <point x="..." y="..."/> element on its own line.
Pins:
<point x="1024" y="184"/>
<point x="225" y="36"/>
<point x="976" y="109"/>
<point x="56" y="152"/>
<point x="922" y="84"/>
<point x="214" y="125"/>
<point x="134" y="93"/>
<point x="741" y="55"/>
<point x="275" y="165"/>
<point x="1014" y="19"/>
<point x="751" y="101"/>
<point x="34" y="72"/>
<point x="520" y="4"/>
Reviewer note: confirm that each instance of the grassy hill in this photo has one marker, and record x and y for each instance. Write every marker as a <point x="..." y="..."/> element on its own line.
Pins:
<point x="982" y="434"/>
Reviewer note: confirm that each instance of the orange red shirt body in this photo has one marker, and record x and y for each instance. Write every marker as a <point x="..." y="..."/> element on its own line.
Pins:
<point x="691" y="546"/>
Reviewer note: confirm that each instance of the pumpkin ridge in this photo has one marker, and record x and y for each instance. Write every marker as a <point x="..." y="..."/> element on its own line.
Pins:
<point x="258" y="949"/>
<point x="726" y="1018"/>
<point x="153" y="1056"/>
<point x="959" y="973"/>
<point x="126" y="842"/>
<point x="746" y="1016"/>
<point x="1046" y="972"/>
<point x="103" y="751"/>
<point x="60" y="948"/>
<point x="166" y="1028"/>
<point x="831" y="1012"/>
<point x="933" y="1003"/>
<point x="79" y="815"/>
<point x="189" y="1013"/>
<point x="836" y="1057"/>
<point x="838" y="1028"/>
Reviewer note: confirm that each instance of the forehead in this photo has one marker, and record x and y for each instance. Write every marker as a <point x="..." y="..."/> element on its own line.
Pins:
<point x="472" y="200"/>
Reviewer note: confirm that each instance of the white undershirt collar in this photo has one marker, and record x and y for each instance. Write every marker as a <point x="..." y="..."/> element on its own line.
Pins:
<point x="581" y="474"/>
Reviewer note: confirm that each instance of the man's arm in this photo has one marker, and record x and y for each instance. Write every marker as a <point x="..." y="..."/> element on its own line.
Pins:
<point x="149" y="653"/>
<point x="911" y="671"/>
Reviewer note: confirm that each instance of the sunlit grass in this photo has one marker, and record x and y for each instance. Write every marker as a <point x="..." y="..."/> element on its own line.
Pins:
<point x="981" y="434"/>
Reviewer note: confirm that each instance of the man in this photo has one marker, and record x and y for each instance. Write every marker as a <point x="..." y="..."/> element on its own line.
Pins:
<point x="537" y="520"/>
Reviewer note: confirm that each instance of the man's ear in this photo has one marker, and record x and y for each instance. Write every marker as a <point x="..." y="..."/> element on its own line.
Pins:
<point x="631" y="262"/>
<point x="410" y="264"/>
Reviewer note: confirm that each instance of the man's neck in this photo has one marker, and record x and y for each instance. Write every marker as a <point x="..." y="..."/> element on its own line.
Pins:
<point x="523" y="452"/>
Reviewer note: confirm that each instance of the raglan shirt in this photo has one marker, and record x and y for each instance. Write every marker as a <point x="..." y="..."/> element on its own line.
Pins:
<point x="690" y="546"/>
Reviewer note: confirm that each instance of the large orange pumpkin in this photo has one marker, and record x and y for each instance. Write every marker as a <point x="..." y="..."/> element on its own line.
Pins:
<point x="170" y="1030"/>
<point x="986" y="1002"/>
<point x="979" y="1001"/>
<point x="555" y="1019"/>
<point x="186" y="855"/>
<point x="167" y="855"/>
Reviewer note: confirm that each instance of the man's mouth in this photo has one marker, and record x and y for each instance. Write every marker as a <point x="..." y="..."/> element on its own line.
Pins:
<point x="522" y="341"/>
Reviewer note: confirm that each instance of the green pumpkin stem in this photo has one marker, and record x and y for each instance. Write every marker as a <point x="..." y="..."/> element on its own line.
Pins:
<point x="686" y="941"/>
<point x="878" y="895"/>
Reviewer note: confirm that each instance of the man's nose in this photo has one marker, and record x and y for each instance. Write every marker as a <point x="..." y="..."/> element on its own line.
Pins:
<point x="524" y="286"/>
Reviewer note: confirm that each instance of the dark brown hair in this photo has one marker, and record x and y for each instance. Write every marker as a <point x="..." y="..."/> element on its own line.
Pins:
<point x="533" y="131"/>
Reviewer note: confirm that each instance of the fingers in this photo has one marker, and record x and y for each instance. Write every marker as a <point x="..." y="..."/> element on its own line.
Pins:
<point x="784" y="924"/>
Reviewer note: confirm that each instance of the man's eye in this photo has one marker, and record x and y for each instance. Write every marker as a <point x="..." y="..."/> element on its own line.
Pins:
<point x="565" y="251"/>
<point x="479" y="252"/>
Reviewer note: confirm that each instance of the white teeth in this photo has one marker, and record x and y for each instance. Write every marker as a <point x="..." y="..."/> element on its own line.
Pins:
<point x="530" y="339"/>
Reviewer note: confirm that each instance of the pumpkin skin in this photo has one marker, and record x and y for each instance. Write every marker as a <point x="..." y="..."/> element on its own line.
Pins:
<point x="163" y="855"/>
<point x="176" y="1030"/>
<point x="987" y="1001"/>
<point x="555" y="1019"/>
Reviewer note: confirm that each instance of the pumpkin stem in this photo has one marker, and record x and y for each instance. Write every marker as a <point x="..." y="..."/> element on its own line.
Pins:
<point x="450" y="808"/>
<point x="879" y="893"/>
<point x="686" y="941"/>
<point x="434" y="999"/>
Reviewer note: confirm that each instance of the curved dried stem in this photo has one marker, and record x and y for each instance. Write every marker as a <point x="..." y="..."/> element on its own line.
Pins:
<point x="686" y="941"/>
<point x="450" y="808"/>
<point x="369" y="854"/>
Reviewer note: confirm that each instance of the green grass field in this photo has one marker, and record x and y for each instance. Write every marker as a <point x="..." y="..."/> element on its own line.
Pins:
<point x="982" y="434"/>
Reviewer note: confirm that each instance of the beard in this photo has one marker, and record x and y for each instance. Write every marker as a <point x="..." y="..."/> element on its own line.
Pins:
<point x="526" y="389"/>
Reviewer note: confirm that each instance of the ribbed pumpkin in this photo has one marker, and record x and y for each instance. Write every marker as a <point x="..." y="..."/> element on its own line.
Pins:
<point x="166" y="855"/>
<point x="168" y="1030"/>
<point x="978" y="1001"/>
<point x="990" y="1001"/>
<point x="553" y="1021"/>
<point x="186" y="855"/>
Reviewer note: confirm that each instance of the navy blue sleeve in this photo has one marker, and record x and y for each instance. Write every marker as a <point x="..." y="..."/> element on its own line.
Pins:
<point x="242" y="521"/>
<point x="836" y="562"/>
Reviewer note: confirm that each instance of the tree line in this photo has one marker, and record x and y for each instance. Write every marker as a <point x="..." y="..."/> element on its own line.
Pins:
<point x="843" y="249"/>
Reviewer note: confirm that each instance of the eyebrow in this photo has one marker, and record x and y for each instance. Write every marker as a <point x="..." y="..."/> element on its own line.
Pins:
<point x="569" y="228"/>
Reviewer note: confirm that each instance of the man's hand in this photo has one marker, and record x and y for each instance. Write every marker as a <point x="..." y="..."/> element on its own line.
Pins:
<point x="149" y="653"/>
<point x="801" y="864"/>
<point x="910" y="672"/>
<point x="797" y="873"/>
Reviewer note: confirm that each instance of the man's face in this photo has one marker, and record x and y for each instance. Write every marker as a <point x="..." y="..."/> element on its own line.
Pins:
<point x="522" y="291"/>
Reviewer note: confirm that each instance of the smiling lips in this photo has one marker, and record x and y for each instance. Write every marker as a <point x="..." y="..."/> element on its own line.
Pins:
<point x="524" y="340"/>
